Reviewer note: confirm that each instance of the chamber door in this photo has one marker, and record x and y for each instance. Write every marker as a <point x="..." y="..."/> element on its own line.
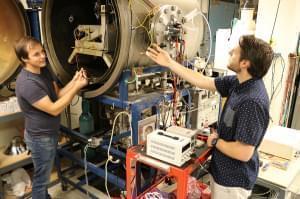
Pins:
<point x="13" y="25"/>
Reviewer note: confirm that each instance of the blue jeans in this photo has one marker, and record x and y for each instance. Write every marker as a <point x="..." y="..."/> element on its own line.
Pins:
<point x="43" y="151"/>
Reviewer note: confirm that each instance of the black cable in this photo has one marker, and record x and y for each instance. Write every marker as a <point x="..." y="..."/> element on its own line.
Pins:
<point x="275" y="20"/>
<point x="76" y="101"/>
<point x="8" y="86"/>
<point x="281" y="78"/>
<point x="67" y="116"/>
<point x="274" y="90"/>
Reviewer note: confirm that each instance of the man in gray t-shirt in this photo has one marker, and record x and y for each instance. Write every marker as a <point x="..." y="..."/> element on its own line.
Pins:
<point x="42" y="101"/>
<point x="32" y="87"/>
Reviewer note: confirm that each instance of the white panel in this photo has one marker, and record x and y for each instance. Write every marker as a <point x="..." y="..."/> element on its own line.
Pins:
<point x="222" y="48"/>
<point x="284" y="36"/>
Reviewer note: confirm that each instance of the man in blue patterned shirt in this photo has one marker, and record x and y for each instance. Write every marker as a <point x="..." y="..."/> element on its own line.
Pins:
<point x="244" y="119"/>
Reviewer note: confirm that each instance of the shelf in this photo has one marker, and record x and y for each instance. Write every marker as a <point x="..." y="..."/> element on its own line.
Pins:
<point x="10" y="116"/>
<point x="11" y="162"/>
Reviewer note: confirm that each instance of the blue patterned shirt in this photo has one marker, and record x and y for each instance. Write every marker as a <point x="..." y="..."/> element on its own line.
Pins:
<point x="245" y="118"/>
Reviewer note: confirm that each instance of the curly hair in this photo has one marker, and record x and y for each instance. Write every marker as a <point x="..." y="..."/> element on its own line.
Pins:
<point x="258" y="52"/>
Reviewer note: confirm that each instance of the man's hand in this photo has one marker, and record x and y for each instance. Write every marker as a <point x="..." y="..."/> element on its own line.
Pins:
<point x="158" y="55"/>
<point x="212" y="136"/>
<point x="83" y="72"/>
<point x="78" y="73"/>
<point x="233" y="149"/>
<point x="75" y="77"/>
<point x="81" y="80"/>
<point x="73" y="83"/>
<point x="162" y="58"/>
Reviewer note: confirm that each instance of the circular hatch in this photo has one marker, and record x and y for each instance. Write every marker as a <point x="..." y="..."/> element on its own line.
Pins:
<point x="13" y="26"/>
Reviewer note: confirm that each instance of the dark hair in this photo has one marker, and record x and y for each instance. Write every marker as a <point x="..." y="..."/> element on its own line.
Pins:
<point x="22" y="45"/>
<point x="258" y="52"/>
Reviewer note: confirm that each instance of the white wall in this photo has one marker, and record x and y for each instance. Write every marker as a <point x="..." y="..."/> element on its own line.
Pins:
<point x="284" y="37"/>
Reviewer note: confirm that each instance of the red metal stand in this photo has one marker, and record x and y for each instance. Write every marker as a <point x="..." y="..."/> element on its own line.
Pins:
<point x="181" y="174"/>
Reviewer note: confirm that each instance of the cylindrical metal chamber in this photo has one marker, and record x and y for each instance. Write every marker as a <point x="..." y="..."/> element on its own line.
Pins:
<point x="107" y="36"/>
<point x="13" y="26"/>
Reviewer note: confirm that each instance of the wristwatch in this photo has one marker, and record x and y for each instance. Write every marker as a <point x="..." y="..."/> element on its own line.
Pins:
<point x="214" y="142"/>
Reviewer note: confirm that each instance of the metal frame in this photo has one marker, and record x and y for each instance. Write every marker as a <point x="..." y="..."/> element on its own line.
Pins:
<point x="135" y="156"/>
<point x="135" y="107"/>
<point x="282" y="192"/>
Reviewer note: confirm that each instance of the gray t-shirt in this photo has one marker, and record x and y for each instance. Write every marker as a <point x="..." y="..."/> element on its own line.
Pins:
<point x="30" y="88"/>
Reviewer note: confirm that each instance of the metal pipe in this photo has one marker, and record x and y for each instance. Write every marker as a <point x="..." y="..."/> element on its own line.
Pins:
<point x="155" y="163"/>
